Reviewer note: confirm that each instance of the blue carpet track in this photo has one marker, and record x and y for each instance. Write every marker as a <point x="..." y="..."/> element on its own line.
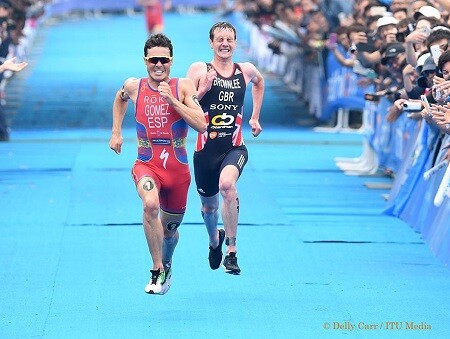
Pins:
<point x="318" y="257"/>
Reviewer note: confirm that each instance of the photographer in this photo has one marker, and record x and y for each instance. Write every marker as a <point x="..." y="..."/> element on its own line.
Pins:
<point x="407" y="99"/>
<point x="436" y="43"/>
<point x="404" y="28"/>
<point x="385" y="34"/>
<point x="415" y="42"/>
<point x="393" y="60"/>
<point x="344" y="49"/>
<point x="354" y="58"/>
<point x="439" y="113"/>
<point x="419" y="80"/>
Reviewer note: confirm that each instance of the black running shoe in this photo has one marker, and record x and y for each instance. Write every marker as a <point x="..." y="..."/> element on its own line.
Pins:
<point x="215" y="254"/>
<point x="230" y="264"/>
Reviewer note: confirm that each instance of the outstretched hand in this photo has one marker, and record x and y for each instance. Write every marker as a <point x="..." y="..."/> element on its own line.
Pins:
<point x="10" y="64"/>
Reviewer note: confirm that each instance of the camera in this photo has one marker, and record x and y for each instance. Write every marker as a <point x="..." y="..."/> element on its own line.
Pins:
<point x="400" y="36"/>
<point x="422" y="82"/>
<point x="372" y="97"/>
<point x="412" y="106"/>
<point x="274" y="46"/>
<point x="353" y="49"/>
<point x="369" y="46"/>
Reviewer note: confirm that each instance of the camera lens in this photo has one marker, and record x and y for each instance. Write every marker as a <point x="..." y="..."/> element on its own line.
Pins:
<point x="400" y="37"/>
<point x="422" y="82"/>
<point x="412" y="106"/>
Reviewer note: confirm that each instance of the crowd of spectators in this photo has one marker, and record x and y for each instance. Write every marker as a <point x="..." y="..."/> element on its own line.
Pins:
<point x="18" y="21"/>
<point x="389" y="61"/>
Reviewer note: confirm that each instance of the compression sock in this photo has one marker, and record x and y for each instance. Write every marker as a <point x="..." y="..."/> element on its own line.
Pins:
<point x="168" y="248"/>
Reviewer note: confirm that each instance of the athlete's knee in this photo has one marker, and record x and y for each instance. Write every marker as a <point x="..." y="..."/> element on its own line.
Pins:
<point x="227" y="187"/>
<point x="151" y="206"/>
<point x="210" y="208"/>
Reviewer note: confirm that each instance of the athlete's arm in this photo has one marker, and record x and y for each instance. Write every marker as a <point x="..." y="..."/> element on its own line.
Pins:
<point x="188" y="106"/>
<point x="201" y="77"/>
<point x="120" y="105"/>
<point x="255" y="77"/>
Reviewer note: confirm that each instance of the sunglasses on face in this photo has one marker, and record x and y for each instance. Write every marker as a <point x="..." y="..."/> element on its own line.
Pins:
<point x="155" y="59"/>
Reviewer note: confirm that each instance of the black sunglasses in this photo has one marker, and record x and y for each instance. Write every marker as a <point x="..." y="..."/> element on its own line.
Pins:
<point x="155" y="59"/>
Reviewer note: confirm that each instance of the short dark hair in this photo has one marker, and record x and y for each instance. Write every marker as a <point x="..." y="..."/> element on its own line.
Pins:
<point x="355" y="28"/>
<point x="340" y="30"/>
<point x="158" y="40"/>
<point x="5" y="4"/>
<point x="443" y="59"/>
<point x="221" y="25"/>
<point x="437" y="35"/>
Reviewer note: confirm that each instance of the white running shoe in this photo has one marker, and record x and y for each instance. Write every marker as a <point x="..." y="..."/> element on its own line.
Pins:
<point x="159" y="282"/>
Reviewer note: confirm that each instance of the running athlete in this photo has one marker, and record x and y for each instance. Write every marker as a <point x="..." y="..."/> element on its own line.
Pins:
<point x="220" y="154"/>
<point x="164" y="107"/>
<point x="154" y="14"/>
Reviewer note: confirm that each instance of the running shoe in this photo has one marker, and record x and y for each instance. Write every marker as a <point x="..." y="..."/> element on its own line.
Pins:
<point x="168" y="282"/>
<point x="215" y="254"/>
<point x="230" y="264"/>
<point x="159" y="282"/>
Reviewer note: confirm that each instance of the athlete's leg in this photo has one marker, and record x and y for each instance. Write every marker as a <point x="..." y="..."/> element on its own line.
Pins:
<point x="158" y="28"/>
<point x="207" y="182"/>
<point x="148" y="20"/>
<point x="153" y="228"/>
<point x="230" y="204"/>
<point x="210" y="214"/>
<point x="154" y="19"/>
<point x="170" y="223"/>
<point x="159" y="20"/>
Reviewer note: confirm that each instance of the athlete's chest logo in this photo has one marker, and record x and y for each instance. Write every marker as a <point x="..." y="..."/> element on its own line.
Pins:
<point x="222" y="120"/>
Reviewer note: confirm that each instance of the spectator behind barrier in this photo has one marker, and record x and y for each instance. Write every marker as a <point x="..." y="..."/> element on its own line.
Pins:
<point x="399" y="70"/>
<point x="405" y="139"/>
<point x="17" y="22"/>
